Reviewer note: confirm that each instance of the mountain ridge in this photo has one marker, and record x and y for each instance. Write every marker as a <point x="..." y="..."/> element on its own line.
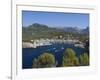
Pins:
<point x="37" y="30"/>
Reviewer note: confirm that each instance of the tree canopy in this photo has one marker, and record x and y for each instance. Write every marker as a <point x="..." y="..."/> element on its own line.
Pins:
<point x="70" y="58"/>
<point x="84" y="59"/>
<point x="44" y="60"/>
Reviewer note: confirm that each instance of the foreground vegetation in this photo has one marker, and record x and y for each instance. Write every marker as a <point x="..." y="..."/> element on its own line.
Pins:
<point x="69" y="59"/>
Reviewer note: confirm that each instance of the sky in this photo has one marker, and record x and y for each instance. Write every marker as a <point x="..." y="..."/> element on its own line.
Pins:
<point x="55" y="19"/>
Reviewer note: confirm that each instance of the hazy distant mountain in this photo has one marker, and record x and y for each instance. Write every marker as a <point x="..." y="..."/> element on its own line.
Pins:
<point x="71" y="29"/>
<point x="76" y="30"/>
<point x="85" y="31"/>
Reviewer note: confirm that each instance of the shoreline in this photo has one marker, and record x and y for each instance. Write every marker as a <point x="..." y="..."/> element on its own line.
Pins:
<point x="47" y="42"/>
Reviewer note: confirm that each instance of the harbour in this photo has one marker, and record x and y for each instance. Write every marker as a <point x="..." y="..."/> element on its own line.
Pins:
<point x="56" y="49"/>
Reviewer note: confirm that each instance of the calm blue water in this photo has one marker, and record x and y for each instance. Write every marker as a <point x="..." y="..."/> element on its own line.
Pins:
<point x="28" y="54"/>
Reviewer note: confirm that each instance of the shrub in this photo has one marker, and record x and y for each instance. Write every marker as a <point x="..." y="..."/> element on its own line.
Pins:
<point x="84" y="59"/>
<point x="70" y="58"/>
<point x="44" y="60"/>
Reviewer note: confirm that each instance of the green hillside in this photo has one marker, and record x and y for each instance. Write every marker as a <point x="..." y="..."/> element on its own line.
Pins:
<point x="37" y="31"/>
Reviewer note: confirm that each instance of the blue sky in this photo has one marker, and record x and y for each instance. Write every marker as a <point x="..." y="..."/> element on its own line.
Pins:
<point x="56" y="19"/>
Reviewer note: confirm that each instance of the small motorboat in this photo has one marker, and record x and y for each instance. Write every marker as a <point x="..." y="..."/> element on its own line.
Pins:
<point x="62" y="47"/>
<point x="54" y="48"/>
